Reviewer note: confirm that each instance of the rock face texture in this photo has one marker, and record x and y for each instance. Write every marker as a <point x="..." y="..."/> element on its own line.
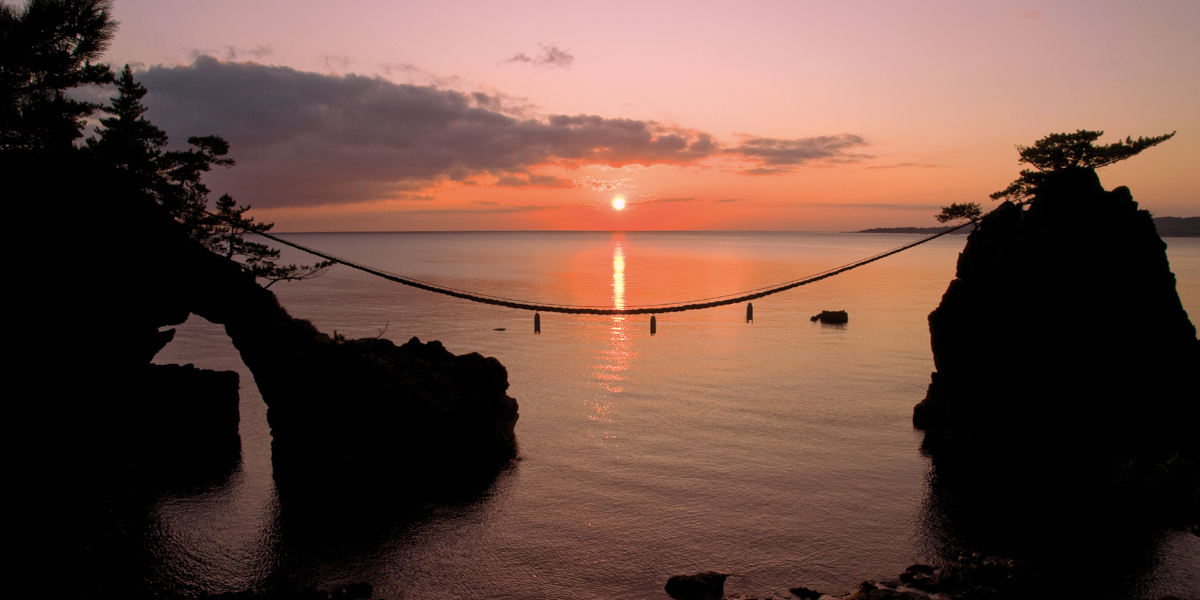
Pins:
<point x="1062" y="340"/>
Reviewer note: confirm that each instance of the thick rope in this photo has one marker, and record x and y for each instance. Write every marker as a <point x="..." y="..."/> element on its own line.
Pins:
<point x="587" y="310"/>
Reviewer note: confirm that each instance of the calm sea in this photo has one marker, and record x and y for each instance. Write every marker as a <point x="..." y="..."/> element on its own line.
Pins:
<point x="781" y="450"/>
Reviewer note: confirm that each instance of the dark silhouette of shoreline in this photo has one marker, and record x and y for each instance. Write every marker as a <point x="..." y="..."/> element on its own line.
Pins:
<point x="1166" y="226"/>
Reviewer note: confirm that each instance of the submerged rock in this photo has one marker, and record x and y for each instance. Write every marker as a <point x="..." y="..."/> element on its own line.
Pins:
<point x="804" y="593"/>
<point x="967" y="578"/>
<point x="707" y="585"/>
<point x="832" y="317"/>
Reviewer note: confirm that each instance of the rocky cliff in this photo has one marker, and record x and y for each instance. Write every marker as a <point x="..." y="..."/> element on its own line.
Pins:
<point x="1062" y="339"/>
<point x="96" y="287"/>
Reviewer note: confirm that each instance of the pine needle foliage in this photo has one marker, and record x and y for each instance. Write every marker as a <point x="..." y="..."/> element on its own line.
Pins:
<point x="228" y="227"/>
<point x="46" y="48"/>
<point x="1063" y="151"/>
<point x="965" y="210"/>
<point x="49" y="47"/>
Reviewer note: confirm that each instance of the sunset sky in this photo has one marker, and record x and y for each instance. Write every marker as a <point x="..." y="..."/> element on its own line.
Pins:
<point x="812" y="116"/>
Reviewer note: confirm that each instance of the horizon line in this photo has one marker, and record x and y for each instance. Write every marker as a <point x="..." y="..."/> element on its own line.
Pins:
<point x="599" y="230"/>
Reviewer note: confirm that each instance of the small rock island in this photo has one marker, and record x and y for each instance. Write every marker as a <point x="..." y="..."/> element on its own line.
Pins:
<point x="1064" y="394"/>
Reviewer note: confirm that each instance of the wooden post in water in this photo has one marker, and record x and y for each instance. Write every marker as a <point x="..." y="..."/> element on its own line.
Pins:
<point x="749" y="312"/>
<point x="653" y="325"/>
<point x="537" y="323"/>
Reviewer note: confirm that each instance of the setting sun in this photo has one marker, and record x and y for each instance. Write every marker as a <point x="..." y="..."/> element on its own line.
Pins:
<point x="618" y="203"/>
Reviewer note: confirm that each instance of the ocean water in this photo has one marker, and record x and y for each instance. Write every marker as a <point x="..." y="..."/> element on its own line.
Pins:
<point x="781" y="451"/>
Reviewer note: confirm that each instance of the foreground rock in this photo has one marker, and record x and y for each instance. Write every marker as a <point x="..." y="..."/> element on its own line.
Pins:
<point x="707" y="585"/>
<point x="973" y="577"/>
<point x="353" y="591"/>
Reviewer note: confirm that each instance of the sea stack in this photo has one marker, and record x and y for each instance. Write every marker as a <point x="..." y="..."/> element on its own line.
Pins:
<point x="1062" y="340"/>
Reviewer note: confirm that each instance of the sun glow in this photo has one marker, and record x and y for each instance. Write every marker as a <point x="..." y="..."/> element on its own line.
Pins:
<point x="618" y="203"/>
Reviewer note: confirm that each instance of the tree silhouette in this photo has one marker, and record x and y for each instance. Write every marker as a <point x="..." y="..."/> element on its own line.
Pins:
<point x="47" y="48"/>
<point x="181" y="191"/>
<point x="127" y="140"/>
<point x="228" y="227"/>
<point x="966" y="210"/>
<point x="1063" y="151"/>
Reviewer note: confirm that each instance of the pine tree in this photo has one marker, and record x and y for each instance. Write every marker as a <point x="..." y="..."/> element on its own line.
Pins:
<point x="47" y="48"/>
<point x="127" y="140"/>
<point x="966" y="210"/>
<point x="181" y="191"/>
<point x="229" y="225"/>
<point x="1059" y="152"/>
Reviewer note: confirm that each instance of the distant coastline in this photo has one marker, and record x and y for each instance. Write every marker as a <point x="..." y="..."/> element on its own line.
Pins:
<point x="917" y="230"/>
<point x="1177" y="226"/>
<point x="1166" y="226"/>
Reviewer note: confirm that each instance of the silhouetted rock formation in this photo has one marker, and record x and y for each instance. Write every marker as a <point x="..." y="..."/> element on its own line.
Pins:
<point x="191" y="405"/>
<point x="100" y="276"/>
<point x="832" y="317"/>
<point x="708" y="585"/>
<point x="336" y="407"/>
<point x="1062" y="342"/>
<point x="1166" y="226"/>
<point x="178" y="425"/>
<point x="341" y="409"/>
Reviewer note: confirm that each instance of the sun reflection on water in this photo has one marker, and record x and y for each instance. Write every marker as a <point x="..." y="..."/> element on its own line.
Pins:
<point x="612" y="370"/>
<point x="618" y="265"/>
<point x="620" y="351"/>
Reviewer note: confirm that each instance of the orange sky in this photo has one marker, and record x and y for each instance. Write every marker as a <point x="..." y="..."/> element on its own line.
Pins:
<point x="760" y="115"/>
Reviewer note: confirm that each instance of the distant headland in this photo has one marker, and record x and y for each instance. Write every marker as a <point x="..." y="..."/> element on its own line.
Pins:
<point x="1166" y="226"/>
<point x="916" y="230"/>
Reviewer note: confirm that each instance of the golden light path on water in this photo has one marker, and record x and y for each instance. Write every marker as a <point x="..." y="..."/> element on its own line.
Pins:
<point x="620" y="353"/>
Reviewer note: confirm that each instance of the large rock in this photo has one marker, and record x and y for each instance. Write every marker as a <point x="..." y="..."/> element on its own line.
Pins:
<point x="706" y="585"/>
<point x="1062" y="340"/>
<point x="115" y="270"/>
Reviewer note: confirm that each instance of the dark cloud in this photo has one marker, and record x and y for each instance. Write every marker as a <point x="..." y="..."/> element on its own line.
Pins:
<point x="907" y="165"/>
<point x="496" y="209"/>
<point x="873" y="206"/>
<point x="233" y="53"/>
<point x="663" y="200"/>
<point x="304" y="138"/>
<point x="336" y="63"/>
<point x="542" y="181"/>
<point x="551" y="56"/>
<point x="779" y="156"/>
<point x="604" y="185"/>
<point x="729" y="200"/>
